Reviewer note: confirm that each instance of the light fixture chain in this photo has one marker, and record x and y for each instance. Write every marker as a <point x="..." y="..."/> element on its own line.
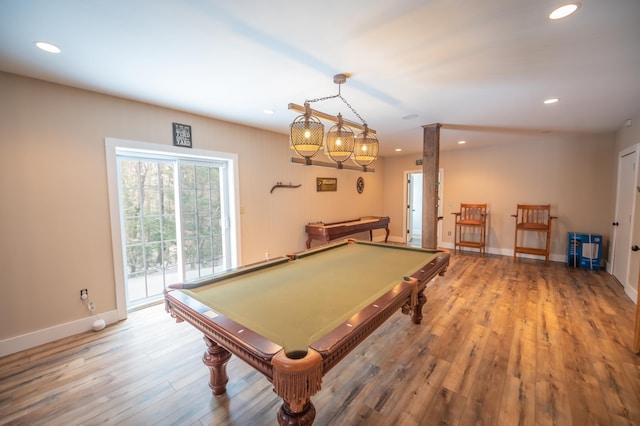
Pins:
<point x="351" y="108"/>
<point x="322" y="99"/>
<point x="343" y="100"/>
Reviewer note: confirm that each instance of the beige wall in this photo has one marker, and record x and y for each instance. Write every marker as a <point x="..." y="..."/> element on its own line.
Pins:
<point x="573" y="174"/>
<point x="54" y="213"/>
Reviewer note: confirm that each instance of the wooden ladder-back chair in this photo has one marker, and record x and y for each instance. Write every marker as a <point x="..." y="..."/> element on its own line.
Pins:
<point x="533" y="218"/>
<point x="471" y="227"/>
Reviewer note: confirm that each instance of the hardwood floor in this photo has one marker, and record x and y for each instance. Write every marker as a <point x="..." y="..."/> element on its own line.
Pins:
<point x="501" y="343"/>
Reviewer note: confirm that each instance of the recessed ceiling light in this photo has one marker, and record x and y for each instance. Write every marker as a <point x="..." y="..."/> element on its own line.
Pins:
<point x="461" y="142"/>
<point x="551" y="101"/>
<point x="564" y="11"/>
<point x="398" y="149"/>
<point x="268" y="111"/>
<point x="47" y="47"/>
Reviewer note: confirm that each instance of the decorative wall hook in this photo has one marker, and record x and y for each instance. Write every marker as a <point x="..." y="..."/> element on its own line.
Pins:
<point x="281" y="185"/>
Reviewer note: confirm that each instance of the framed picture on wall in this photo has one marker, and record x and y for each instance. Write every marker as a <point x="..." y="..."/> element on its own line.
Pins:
<point x="182" y="135"/>
<point x="326" y="184"/>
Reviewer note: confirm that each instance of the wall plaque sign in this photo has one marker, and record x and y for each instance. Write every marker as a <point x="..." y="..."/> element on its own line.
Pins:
<point x="182" y="135"/>
<point x="326" y="184"/>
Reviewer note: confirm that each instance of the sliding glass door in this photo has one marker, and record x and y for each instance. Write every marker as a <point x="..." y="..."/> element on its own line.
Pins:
<point x="172" y="212"/>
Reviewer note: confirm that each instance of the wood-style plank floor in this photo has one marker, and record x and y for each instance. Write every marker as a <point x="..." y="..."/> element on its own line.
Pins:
<point x="502" y="343"/>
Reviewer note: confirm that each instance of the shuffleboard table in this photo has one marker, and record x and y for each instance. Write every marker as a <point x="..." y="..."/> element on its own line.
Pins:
<point x="332" y="231"/>
<point x="294" y="318"/>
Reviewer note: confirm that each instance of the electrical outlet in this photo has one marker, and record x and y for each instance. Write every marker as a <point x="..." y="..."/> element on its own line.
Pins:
<point x="84" y="294"/>
<point x="449" y="233"/>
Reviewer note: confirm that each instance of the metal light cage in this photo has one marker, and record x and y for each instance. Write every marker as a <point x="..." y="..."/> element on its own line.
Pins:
<point x="340" y="143"/>
<point x="365" y="150"/>
<point x="306" y="136"/>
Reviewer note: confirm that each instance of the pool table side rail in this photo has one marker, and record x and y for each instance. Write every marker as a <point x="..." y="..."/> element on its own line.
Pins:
<point x="337" y="244"/>
<point x="253" y="348"/>
<point x="310" y="252"/>
<point x="329" y="345"/>
<point x="234" y="272"/>
<point x="337" y="344"/>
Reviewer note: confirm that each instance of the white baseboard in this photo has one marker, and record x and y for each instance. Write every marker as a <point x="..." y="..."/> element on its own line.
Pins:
<point x="632" y="293"/>
<point x="40" y="337"/>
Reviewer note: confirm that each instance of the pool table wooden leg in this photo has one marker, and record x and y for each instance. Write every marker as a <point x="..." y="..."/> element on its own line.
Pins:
<point x="216" y="358"/>
<point x="416" y="311"/>
<point x="297" y="376"/>
<point x="304" y="418"/>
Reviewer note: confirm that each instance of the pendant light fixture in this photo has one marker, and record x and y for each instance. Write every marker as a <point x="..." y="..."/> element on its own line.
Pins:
<point x="306" y="134"/>
<point x="365" y="150"/>
<point x="340" y="142"/>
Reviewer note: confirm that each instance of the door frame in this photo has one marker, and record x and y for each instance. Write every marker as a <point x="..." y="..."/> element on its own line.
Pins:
<point x="233" y="219"/>
<point x="411" y="191"/>
<point x="634" y="225"/>
<point x="406" y="206"/>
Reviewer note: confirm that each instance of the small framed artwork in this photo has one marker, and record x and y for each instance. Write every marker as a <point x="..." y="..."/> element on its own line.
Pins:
<point x="326" y="184"/>
<point x="182" y="135"/>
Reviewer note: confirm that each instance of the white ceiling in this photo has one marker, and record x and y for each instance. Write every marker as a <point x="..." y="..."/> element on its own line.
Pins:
<point x="480" y="67"/>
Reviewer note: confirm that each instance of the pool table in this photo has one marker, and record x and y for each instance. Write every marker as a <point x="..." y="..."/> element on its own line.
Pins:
<point x="295" y="317"/>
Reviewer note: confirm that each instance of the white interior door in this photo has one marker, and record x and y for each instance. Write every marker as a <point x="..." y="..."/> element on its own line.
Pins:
<point x="623" y="222"/>
<point x="414" y="207"/>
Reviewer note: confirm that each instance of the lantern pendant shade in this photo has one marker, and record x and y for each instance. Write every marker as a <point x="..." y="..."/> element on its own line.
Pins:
<point x="365" y="150"/>
<point x="306" y="136"/>
<point x="340" y="142"/>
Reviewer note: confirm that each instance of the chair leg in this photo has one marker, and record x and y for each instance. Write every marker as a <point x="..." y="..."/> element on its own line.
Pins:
<point x="546" y="257"/>
<point x="455" y="239"/>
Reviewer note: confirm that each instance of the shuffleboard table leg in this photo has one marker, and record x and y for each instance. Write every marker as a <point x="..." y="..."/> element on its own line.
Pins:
<point x="216" y="358"/>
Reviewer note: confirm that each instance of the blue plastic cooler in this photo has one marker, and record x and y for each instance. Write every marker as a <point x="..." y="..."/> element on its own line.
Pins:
<point x="584" y="251"/>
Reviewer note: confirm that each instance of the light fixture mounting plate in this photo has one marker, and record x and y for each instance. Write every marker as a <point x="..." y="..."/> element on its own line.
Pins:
<point x="339" y="78"/>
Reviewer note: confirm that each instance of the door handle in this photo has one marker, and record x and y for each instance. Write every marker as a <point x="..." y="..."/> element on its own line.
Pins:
<point x="635" y="248"/>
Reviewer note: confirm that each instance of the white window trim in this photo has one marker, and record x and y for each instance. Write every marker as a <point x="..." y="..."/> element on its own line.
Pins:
<point x="111" y="147"/>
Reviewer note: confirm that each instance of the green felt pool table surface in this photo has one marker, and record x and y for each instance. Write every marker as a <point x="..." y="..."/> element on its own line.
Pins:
<point x="294" y="302"/>
<point x="295" y="317"/>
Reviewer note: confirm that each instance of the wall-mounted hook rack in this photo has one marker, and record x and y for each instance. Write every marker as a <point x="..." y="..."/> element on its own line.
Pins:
<point x="281" y="185"/>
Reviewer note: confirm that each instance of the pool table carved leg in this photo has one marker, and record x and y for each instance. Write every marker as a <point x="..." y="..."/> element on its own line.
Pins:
<point x="297" y="376"/>
<point x="216" y="358"/>
<point x="303" y="418"/>
<point x="416" y="311"/>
